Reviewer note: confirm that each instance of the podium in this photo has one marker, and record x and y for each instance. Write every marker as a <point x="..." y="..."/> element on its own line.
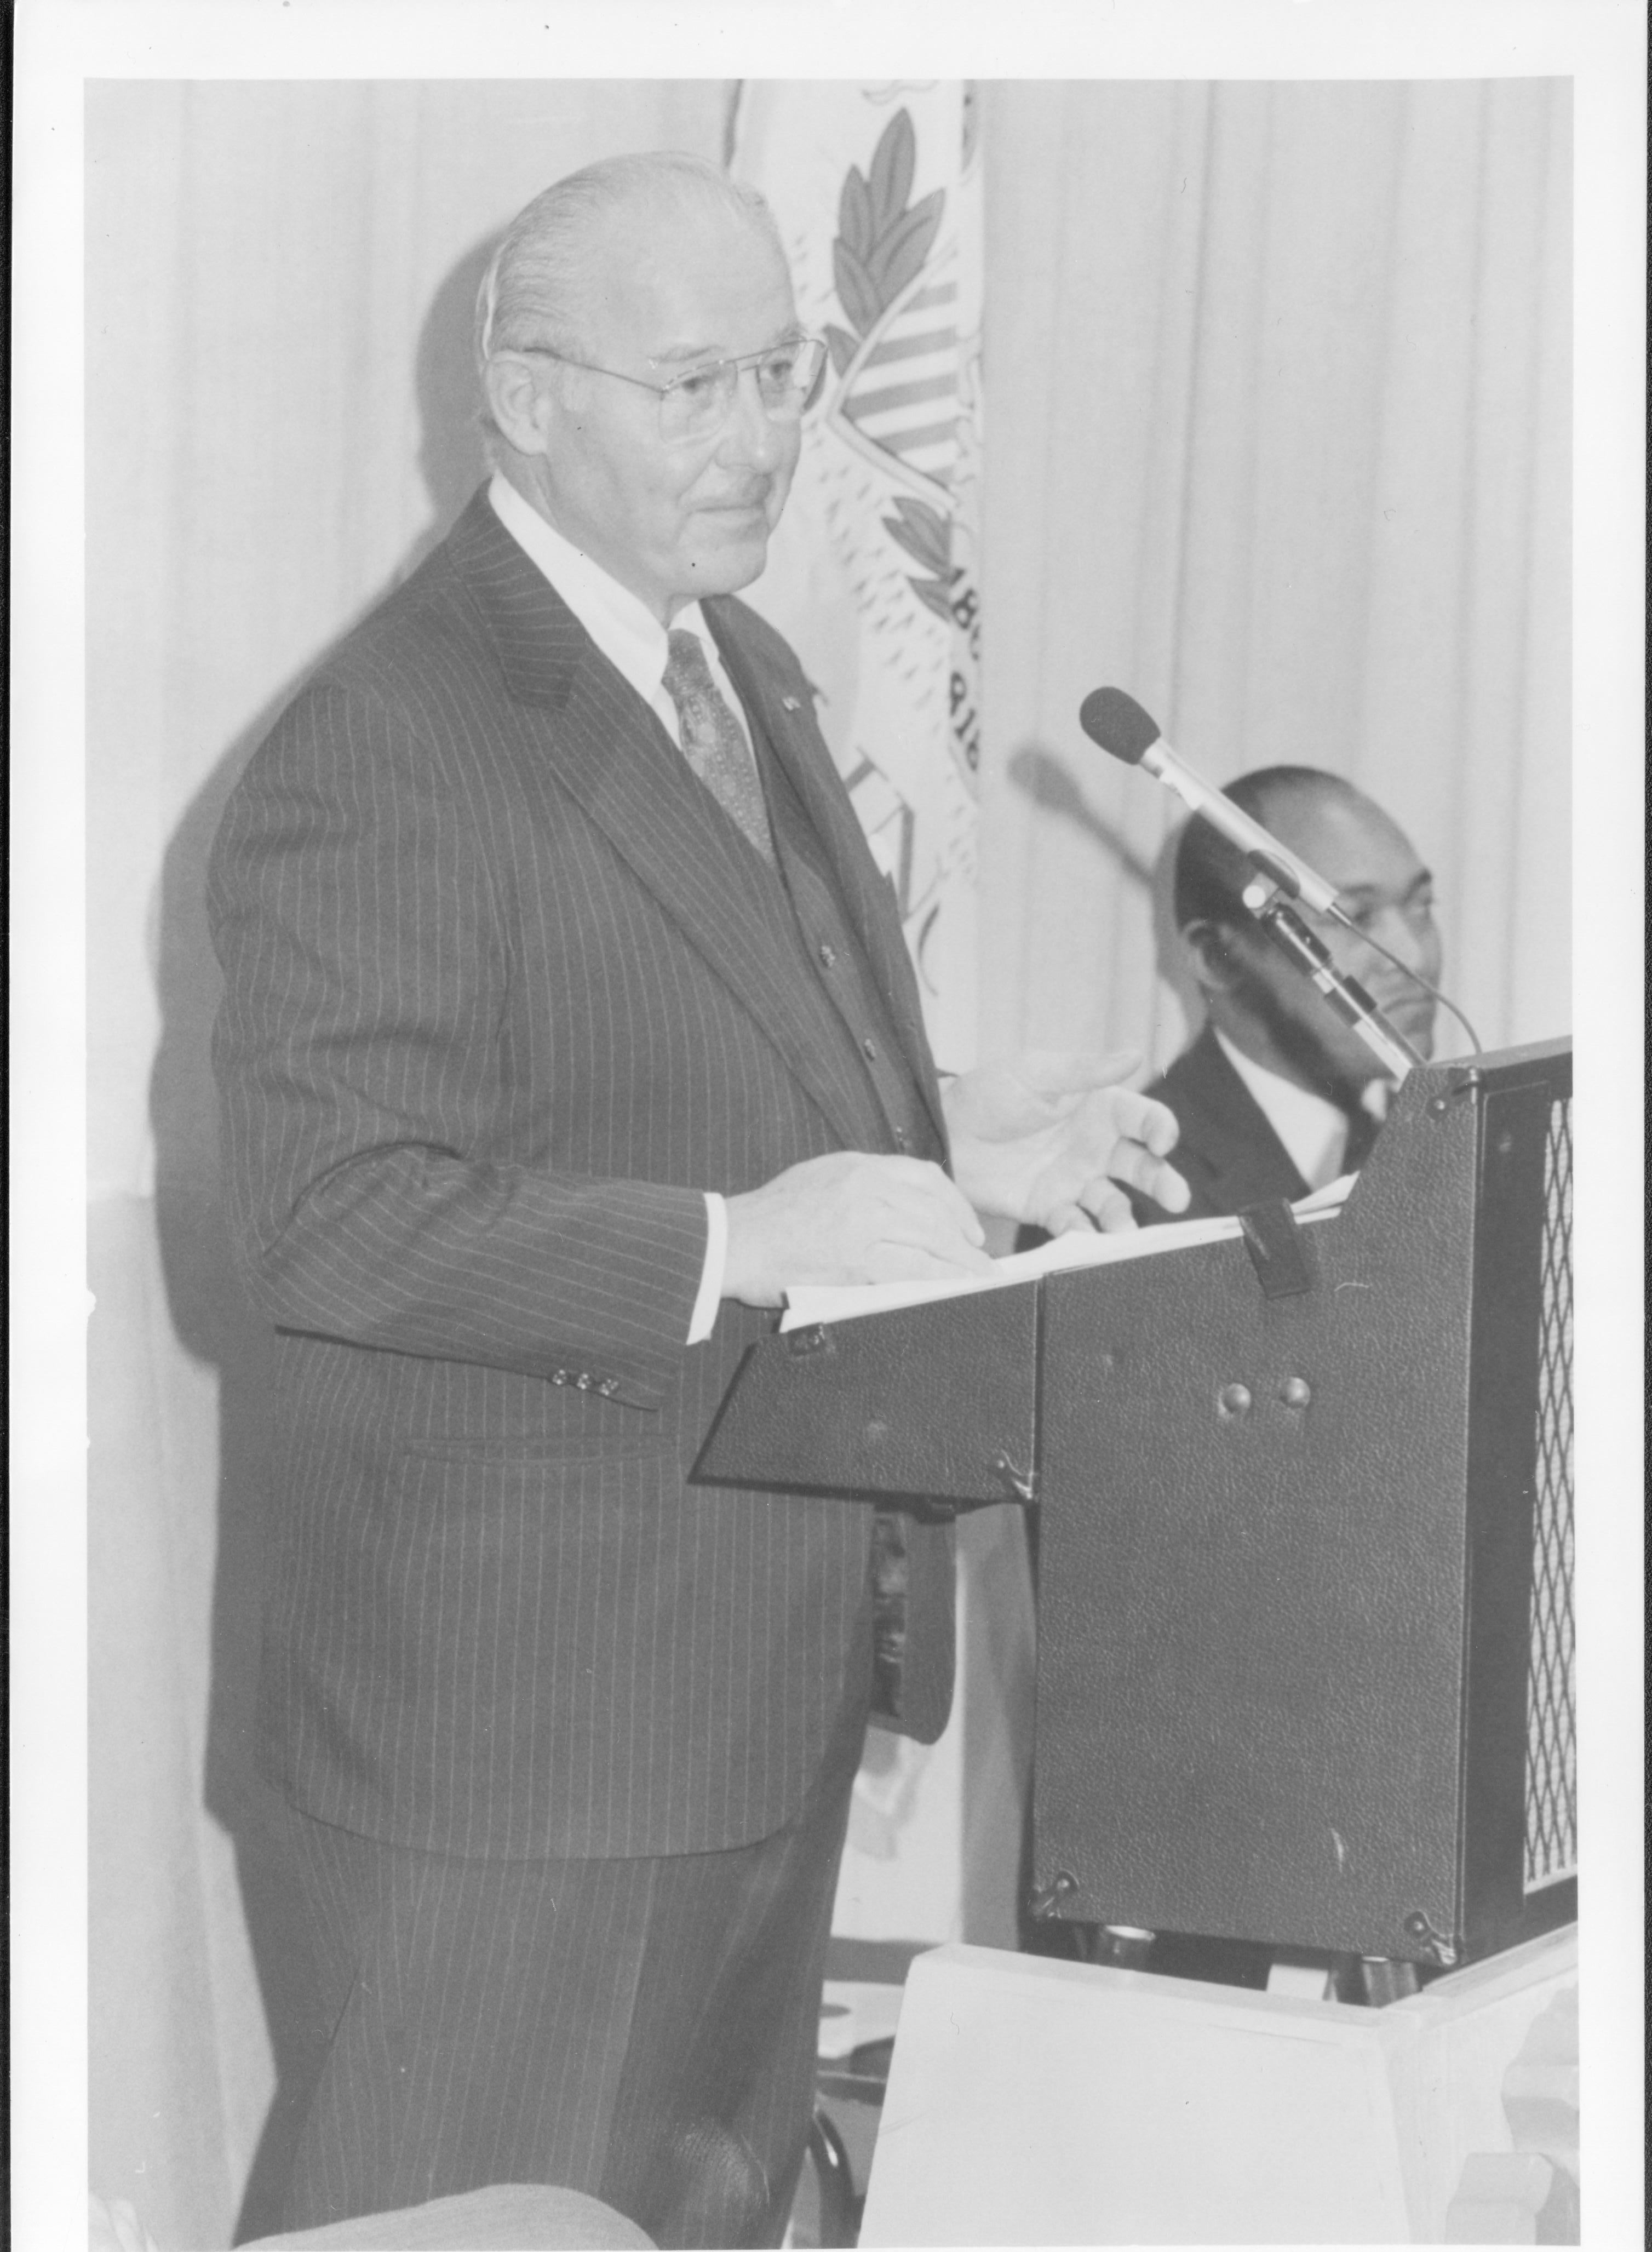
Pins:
<point x="1305" y="1629"/>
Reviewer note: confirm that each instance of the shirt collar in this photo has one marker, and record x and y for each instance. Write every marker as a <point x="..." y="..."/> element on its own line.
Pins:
<point x="622" y="626"/>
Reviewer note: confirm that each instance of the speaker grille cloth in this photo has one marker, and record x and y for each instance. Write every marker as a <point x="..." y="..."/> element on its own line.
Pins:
<point x="1551" y="1783"/>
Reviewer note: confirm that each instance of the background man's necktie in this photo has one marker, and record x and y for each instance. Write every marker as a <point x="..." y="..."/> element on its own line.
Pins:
<point x="714" y="742"/>
<point x="1363" y="1126"/>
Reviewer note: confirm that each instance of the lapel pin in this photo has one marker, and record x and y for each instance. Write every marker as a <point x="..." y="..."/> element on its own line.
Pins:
<point x="790" y="704"/>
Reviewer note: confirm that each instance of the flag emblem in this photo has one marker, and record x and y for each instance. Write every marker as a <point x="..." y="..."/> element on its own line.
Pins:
<point x="897" y="398"/>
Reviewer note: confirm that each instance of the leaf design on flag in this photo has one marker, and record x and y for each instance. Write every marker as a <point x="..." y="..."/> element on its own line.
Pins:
<point x="856" y="226"/>
<point x="926" y="537"/>
<point x="842" y="346"/>
<point x="856" y="289"/>
<point x="894" y="161"/>
<point x="922" y="531"/>
<point x="881" y="246"/>
<point x="900" y="254"/>
<point x="934" y="597"/>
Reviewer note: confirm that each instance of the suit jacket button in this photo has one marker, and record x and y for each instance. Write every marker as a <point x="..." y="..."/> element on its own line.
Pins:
<point x="903" y="1139"/>
<point x="608" y="1386"/>
<point x="559" y="1376"/>
<point x="582" y="1381"/>
<point x="870" y="1047"/>
<point x="828" y="954"/>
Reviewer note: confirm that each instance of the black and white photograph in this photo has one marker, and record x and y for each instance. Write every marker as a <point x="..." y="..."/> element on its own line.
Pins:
<point x="826" y="1418"/>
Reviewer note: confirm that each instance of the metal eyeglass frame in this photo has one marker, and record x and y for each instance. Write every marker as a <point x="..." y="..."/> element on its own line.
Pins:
<point x="812" y="353"/>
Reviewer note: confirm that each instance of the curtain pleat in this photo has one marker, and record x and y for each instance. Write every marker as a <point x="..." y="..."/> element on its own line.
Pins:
<point x="165" y="1928"/>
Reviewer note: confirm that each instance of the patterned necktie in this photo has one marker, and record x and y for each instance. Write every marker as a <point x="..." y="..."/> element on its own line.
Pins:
<point x="714" y="742"/>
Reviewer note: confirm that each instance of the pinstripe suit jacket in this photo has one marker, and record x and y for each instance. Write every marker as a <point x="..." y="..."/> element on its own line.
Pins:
<point x="502" y="997"/>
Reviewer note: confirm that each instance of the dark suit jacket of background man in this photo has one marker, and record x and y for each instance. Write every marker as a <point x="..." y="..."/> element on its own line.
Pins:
<point x="1227" y="1152"/>
<point x="506" y="991"/>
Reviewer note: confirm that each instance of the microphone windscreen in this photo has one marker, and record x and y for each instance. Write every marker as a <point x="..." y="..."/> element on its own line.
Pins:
<point x="1118" y="723"/>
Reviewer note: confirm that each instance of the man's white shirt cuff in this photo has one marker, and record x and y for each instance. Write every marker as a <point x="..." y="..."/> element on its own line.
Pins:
<point x="710" y="1295"/>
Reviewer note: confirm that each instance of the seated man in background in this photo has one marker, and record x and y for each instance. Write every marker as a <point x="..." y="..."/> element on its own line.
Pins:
<point x="1277" y="1095"/>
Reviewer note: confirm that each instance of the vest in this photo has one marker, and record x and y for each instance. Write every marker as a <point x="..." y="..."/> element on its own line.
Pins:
<point x="852" y="1010"/>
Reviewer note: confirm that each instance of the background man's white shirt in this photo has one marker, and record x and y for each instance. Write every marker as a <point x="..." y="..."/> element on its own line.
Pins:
<point x="1313" y="1131"/>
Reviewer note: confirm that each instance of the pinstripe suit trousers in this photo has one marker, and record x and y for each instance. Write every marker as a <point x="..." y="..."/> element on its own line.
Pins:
<point x="642" y="2029"/>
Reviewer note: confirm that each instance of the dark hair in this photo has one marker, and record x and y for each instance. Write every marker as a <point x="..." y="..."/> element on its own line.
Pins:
<point x="1210" y="874"/>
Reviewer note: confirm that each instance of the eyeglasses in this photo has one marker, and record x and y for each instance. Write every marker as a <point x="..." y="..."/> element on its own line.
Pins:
<point x="700" y="400"/>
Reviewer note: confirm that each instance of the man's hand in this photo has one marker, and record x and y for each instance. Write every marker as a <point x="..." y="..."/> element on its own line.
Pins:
<point x="1049" y="1136"/>
<point x="850" y="1218"/>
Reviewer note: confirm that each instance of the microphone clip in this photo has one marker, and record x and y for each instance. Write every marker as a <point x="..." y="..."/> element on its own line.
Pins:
<point x="1268" y="895"/>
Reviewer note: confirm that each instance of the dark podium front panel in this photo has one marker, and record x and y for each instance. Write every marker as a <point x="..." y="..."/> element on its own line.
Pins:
<point x="1293" y="1682"/>
<point x="1305" y="1535"/>
<point x="933" y="1403"/>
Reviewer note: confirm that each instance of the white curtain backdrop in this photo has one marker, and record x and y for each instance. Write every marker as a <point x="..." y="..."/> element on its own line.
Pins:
<point x="1277" y="440"/>
<point x="1280" y="443"/>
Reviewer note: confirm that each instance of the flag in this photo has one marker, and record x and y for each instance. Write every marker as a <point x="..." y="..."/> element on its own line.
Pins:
<point x="876" y="188"/>
<point x="872" y="578"/>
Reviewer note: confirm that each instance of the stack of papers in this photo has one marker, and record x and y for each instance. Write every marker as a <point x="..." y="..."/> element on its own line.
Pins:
<point x="1080" y="1248"/>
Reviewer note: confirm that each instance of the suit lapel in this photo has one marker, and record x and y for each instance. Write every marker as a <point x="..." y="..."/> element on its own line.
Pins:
<point x="612" y="756"/>
<point x="1246" y="1158"/>
<point x="788" y="720"/>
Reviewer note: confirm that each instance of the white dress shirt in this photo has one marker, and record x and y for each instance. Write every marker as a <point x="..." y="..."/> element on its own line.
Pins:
<point x="623" y="625"/>
<point x="633" y="641"/>
<point x="1313" y="1131"/>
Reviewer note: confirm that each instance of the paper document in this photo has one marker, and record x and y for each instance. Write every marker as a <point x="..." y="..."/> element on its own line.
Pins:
<point x="1082" y="1248"/>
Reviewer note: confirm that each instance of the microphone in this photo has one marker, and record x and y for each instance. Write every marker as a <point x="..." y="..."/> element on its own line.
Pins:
<point x="1118" y="723"/>
<point x="1267" y="901"/>
<point x="1122" y="728"/>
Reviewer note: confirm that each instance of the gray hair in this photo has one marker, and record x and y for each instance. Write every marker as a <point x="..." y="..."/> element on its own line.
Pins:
<point x="536" y="288"/>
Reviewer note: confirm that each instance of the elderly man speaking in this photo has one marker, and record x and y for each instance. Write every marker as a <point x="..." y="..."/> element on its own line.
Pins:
<point x="568" y="1023"/>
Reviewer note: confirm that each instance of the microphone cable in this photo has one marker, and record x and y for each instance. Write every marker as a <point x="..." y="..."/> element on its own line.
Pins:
<point x="1365" y="938"/>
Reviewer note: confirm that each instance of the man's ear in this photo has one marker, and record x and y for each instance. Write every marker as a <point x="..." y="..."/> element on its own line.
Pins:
<point x="1210" y="949"/>
<point x="523" y="412"/>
